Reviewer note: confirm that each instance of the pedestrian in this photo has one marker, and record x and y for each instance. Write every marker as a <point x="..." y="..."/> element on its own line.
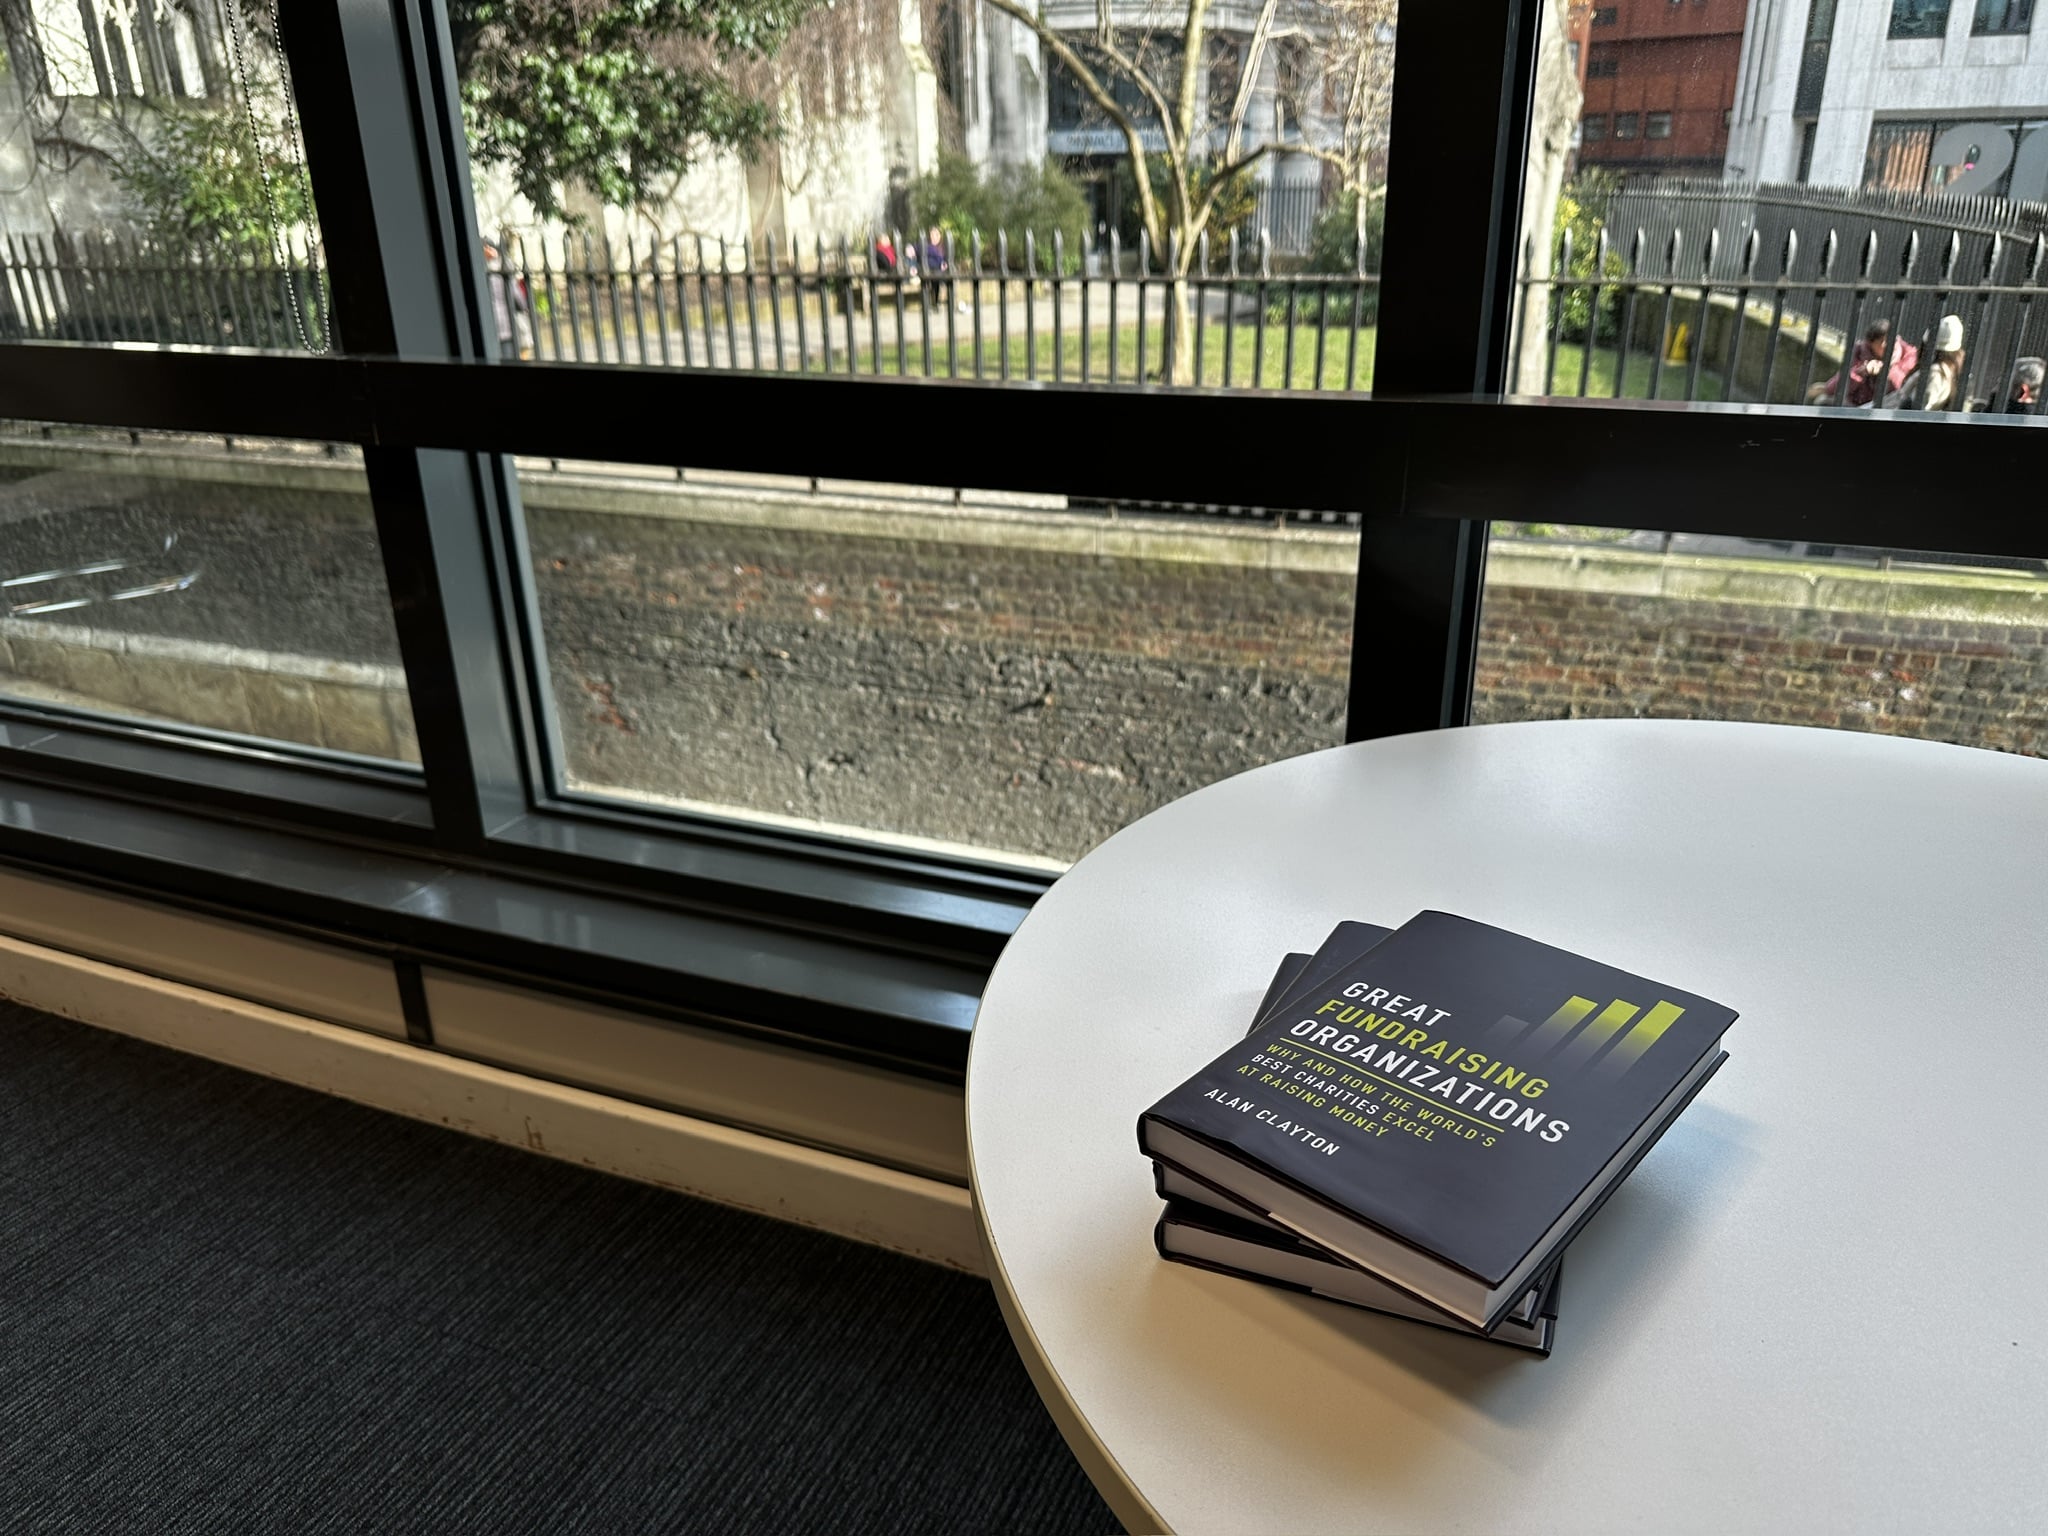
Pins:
<point x="511" y="307"/>
<point x="1867" y="368"/>
<point x="2023" y="393"/>
<point x="1939" y="385"/>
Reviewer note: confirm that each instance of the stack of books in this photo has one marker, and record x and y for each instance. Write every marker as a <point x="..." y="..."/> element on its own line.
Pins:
<point x="1421" y="1119"/>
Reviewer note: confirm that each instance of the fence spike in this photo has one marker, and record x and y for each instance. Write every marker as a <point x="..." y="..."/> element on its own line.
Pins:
<point x="1869" y="255"/>
<point x="1144" y="252"/>
<point x="1911" y="255"/>
<point x="1713" y="249"/>
<point x="1991" y="256"/>
<point x="1951" y="255"/>
<point x="1202" y="251"/>
<point x="1265" y="252"/>
<point x="1059" y="254"/>
<point x="1233" y="251"/>
<point x="1003" y="252"/>
<point x="1172" y="253"/>
<point x="1030" y="254"/>
<point x="1828" y="250"/>
<point x="1635" y="251"/>
<point x="2034" y="262"/>
<point x="974" y="255"/>
<point x="1564" y="254"/>
<point x="1599" y="251"/>
<point x="1116" y="254"/>
<point x="1673" y="251"/>
<point x="1791" y="254"/>
<point x="1752" y="250"/>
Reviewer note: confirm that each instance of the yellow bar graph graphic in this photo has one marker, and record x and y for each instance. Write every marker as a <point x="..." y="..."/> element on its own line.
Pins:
<point x="1560" y="1024"/>
<point x="1648" y="1031"/>
<point x="1597" y="1033"/>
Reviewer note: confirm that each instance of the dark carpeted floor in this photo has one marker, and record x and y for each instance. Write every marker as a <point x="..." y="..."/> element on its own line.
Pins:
<point x="230" y="1305"/>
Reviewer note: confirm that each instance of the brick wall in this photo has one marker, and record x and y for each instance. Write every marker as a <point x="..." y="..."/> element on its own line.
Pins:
<point x="1948" y="656"/>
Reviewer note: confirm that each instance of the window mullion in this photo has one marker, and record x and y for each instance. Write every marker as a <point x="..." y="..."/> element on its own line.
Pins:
<point x="1457" y="144"/>
<point x="403" y="260"/>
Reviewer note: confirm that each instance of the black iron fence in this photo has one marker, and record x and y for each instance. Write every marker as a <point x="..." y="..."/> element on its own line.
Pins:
<point x="1001" y="308"/>
<point x="1643" y="319"/>
<point x="99" y="288"/>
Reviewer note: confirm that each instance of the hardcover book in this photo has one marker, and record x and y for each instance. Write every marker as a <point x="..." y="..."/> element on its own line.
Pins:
<point x="1198" y="1235"/>
<point x="1447" y="1109"/>
<point x="1300" y="975"/>
<point x="1190" y="1197"/>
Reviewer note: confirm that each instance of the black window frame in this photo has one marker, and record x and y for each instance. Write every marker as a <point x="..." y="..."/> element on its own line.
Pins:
<point x="852" y="948"/>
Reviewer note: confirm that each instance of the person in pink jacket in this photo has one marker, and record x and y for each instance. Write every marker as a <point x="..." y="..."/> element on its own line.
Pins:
<point x="1866" y="362"/>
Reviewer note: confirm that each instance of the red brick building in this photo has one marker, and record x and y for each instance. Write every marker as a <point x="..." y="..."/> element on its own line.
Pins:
<point x="1660" y="83"/>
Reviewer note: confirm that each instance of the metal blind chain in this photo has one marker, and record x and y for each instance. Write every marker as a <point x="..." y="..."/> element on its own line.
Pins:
<point x="293" y="154"/>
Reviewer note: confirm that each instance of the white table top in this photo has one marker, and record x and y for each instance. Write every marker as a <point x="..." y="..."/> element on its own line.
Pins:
<point x="1817" y="1305"/>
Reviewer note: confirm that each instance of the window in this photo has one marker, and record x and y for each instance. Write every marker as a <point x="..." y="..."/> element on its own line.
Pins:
<point x="1594" y="126"/>
<point x="2001" y="17"/>
<point x="1919" y="18"/>
<point x="1599" y="68"/>
<point x="1775" y="299"/>
<point x="146" y="207"/>
<point x="791" y="707"/>
<point x="230" y="584"/>
<point x="1605" y="15"/>
<point x="1999" y="159"/>
<point x="1571" y="49"/>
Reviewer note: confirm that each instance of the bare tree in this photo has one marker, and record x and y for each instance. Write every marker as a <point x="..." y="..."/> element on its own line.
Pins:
<point x="1155" y="83"/>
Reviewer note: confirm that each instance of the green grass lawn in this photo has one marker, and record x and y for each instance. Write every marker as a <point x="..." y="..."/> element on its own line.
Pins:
<point x="1251" y="365"/>
<point x="1635" y="384"/>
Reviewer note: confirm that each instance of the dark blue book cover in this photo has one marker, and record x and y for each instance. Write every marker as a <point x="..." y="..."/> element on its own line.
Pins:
<point x="1446" y="1108"/>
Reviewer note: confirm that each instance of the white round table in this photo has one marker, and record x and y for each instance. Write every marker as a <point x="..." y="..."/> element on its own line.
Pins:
<point x="1817" y="1305"/>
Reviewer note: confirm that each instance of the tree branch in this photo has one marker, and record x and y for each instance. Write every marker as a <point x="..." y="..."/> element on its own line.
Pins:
<point x="1254" y="51"/>
<point x="1059" y="47"/>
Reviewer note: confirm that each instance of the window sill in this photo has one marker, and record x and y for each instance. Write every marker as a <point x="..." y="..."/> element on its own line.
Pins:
<point x="843" y="994"/>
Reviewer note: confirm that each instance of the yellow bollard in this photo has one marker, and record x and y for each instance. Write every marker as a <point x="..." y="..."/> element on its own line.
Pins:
<point x="1680" y="347"/>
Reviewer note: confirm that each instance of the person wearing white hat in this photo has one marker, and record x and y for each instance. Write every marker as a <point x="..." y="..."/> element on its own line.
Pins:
<point x="1938" y="386"/>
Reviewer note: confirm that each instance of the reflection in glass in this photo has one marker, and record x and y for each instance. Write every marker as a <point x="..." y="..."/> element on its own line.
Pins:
<point x="229" y="583"/>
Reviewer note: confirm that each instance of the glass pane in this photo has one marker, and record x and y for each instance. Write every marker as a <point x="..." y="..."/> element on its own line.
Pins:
<point x="152" y="182"/>
<point x="1011" y="677"/>
<point x="229" y="583"/>
<point x="1582" y="622"/>
<point x="1825" y="204"/>
<point x="934" y="189"/>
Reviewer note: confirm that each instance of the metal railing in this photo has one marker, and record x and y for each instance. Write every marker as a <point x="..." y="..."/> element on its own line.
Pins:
<point x="1693" y="208"/>
<point x="1024" y="308"/>
<point x="1002" y="309"/>
<point x="99" y="288"/>
<point x="1640" y="321"/>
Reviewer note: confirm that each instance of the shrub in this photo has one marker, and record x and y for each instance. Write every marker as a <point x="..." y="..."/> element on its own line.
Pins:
<point x="1040" y="199"/>
<point x="1333" y="249"/>
<point x="1582" y="210"/>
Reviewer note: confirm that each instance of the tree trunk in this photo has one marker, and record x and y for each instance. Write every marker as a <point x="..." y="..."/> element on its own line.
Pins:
<point x="1180" y="330"/>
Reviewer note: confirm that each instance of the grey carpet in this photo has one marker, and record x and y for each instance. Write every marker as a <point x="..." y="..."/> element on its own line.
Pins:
<point x="228" y="1304"/>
